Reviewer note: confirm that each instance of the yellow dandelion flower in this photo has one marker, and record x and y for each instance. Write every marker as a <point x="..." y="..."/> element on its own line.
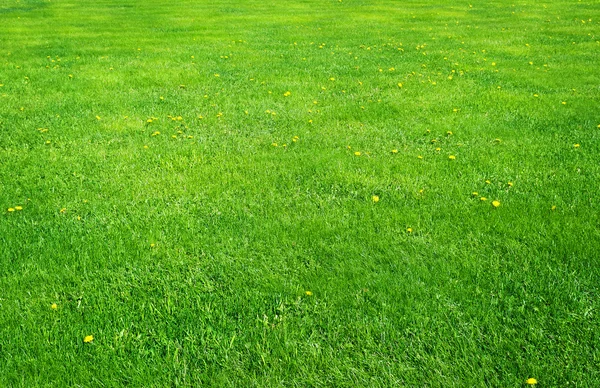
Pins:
<point x="451" y="157"/>
<point x="475" y="194"/>
<point x="399" y="85"/>
<point x="146" y="147"/>
<point x="496" y="203"/>
<point x="483" y="199"/>
<point x="564" y="103"/>
<point x="88" y="338"/>
<point x="152" y="245"/>
<point x="274" y="144"/>
<point x="287" y="94"/>
<point x="409" y="230"/>
<point x="510" y="184"/>
<point x="394" y="151"/>
<point x="438" y="149"/>
<point x="449" y="133"/>
<point x="553" y="207"/>
<point x="357" y="153"/>
<point x="576" y="145"/>
<point x="375" y="198"/>
<point x="64" y="209"/>
<point x="488" y="182"/>
<point x="420" y="157"/>
<point x="531" y="381"/>
<point x="332" y="79"/>
<point x="18" y="208"/>
<point x="308" y="293"/>
<point x="53" y="306"/>
<point x="10" y="209"/>
<point x="98" y="118"/>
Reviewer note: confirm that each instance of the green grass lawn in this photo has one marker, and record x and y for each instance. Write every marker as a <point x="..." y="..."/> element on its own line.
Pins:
<point x="299" y="193"/>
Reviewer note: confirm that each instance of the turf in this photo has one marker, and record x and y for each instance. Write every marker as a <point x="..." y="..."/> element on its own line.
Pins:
<point x="269" y="193"/>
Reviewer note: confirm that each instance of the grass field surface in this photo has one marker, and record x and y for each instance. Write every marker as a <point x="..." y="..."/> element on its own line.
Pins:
<point x="299" y="193"/>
